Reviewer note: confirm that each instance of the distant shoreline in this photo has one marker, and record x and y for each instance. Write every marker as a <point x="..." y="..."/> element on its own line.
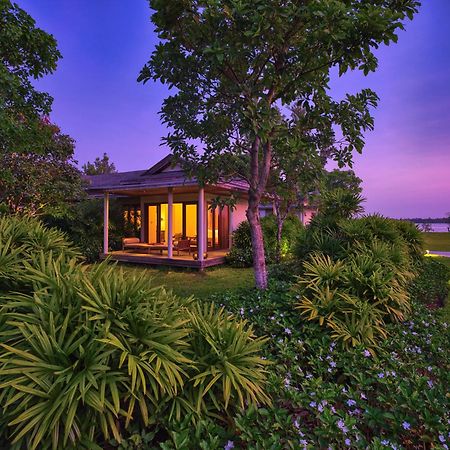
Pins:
<point x="429" y="220"/>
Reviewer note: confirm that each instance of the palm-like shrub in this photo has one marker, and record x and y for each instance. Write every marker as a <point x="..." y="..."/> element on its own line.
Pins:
<point x="20" y="239"/>
<point x="85" y="352"/>
<point x="356" y="296"/>
<point x="229" y="368"/>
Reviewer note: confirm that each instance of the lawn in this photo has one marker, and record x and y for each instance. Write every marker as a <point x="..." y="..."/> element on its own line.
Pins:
<point x="437" y="241"/>
<point x="446" y="310"/>
<point x="199" y="284"/>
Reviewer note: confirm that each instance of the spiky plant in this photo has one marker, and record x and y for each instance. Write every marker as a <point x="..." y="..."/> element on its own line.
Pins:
<point x="229" y="369"/>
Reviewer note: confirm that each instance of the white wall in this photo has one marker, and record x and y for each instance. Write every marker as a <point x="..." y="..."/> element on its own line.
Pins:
<point x="239" y="213"/>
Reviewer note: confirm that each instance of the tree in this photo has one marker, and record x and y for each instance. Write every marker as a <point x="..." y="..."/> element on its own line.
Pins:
<point x="343" y="179"/>
<point x="26" y="53"/>
<point x="236" y="64"/>
<point x="99" y="166"/>
<point x="44" y="183"/>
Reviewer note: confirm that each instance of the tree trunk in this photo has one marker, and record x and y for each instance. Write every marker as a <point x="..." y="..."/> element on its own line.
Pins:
<point x="259" y="259"/>
<point x="259" y="173"/>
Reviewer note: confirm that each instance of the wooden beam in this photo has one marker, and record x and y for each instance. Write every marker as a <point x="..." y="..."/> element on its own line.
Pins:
<point x="170" y="223"/>
<point x="106" y="223"/>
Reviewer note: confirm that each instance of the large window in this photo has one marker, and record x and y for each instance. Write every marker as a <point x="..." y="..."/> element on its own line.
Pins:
<point x="185" y="224"/>
<point x="184" y="216"/>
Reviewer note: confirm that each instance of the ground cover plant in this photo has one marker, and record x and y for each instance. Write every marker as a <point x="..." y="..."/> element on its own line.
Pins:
<point x="328" y="397"/>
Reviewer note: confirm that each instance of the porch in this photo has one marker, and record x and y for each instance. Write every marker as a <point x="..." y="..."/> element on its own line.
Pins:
<point x="212" y="258"/>
<point x="170" y="218"/>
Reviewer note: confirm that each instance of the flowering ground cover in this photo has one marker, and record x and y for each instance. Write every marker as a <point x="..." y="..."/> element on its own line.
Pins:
<point x="327" y="397"/>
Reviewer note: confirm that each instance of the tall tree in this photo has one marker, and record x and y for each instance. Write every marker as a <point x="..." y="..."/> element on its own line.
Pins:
<point x="342" y="179"/>
<point x="26" y="53"/>
<point x="44" y="183"/>
<point x="235" y="64"/>
<point x="100" y="166"/>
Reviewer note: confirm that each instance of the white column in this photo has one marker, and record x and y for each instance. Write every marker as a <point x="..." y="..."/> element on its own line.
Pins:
<point x="170" y="223"/>
<point x="201" y="224"/>
<point x="106" y="223"/>
<point x="143" y="219"/>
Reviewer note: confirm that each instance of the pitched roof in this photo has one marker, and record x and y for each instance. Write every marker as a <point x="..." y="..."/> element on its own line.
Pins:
<point x="155" y="177"/>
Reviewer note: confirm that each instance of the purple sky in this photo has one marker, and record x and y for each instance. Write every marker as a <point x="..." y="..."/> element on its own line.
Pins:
<point x="405" y="165"/>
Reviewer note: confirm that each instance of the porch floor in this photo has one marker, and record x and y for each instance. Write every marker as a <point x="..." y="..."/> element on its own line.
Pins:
<point x="215" y="258"/>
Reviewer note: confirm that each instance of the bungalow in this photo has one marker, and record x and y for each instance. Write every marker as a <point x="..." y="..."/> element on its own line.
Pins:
<point x="172" y="214"/>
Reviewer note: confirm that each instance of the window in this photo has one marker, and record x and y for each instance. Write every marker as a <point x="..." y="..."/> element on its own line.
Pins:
<point x="132" y="219"/>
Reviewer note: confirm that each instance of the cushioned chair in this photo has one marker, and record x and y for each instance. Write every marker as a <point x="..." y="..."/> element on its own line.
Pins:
<point x="134" y="243"/>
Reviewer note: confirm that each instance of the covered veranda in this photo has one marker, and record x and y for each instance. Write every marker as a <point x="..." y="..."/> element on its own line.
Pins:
<point x="185" y="214"/>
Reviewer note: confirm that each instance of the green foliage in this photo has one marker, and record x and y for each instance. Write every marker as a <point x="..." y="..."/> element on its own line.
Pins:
<point x="356" y="274"/>
<point x="26" y="53"/>
<point x="336" y="205"/>
<point x="354" y="297"/>
<point x="84" y="226"/>
<point x="325" y="396"/>
<point x="41" y="184"/>
<point x="229" y="370"/>
<point x="339" y="237"/>
<point x="100" y="166"/>
<point x="86" y="352"/>
<point x="431" y="285"/>
<point x="241" y="252"/>
<point x="21" y="238"/>
<point x="342" y="179"/>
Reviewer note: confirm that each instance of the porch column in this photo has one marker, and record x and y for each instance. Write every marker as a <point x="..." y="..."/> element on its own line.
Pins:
<point x="201" y="224"/>
<point x="230" y="226"/>
<point x="144" y="218"/>
<point x="106" y="223"/>
<point x="170" y="223"/>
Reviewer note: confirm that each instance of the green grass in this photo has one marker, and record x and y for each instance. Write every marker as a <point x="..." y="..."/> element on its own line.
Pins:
<point x="200" y="284"/>
<point x="437" y="241"/>
<point x="445" y="311"/>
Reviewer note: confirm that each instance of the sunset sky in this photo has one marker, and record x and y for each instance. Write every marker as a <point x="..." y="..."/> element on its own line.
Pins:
<point x="405" y="165"/>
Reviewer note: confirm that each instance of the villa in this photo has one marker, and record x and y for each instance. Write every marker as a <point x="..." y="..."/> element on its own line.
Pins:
<point x="172" y="215"/>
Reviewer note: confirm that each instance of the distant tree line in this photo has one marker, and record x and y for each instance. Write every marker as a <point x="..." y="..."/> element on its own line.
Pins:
<point x="430" y="220"/>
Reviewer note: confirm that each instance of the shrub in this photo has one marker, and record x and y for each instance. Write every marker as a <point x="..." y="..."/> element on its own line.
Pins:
<point x="85" y="227"/>
<point x="20" y="239"/>
<point x="87" y="352"/>
<point x="431" y="285"/>
<point x="241" y="252"/>
<point x="353" y="298"/>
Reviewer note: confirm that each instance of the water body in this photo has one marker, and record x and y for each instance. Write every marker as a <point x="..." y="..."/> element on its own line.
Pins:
<point x="435" y="227"/>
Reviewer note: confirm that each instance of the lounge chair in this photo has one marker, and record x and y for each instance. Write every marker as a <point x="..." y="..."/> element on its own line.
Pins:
<point x="134" y="243"/>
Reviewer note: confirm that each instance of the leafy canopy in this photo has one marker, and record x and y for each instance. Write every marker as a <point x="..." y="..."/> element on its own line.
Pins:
<point x="43" y="182"/>
<point x="100" y="166"/>
<point x="26" y="53"/>
<point x="235" y="64"/>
